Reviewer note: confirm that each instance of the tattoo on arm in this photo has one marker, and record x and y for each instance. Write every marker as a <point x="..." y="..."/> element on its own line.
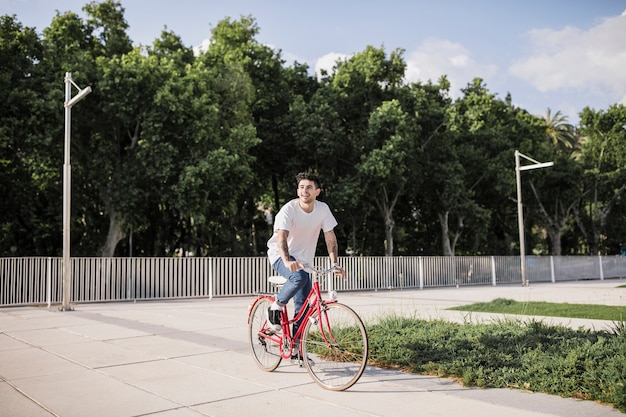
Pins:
<point x="284" y="250"/>
<point x="282" y="244"/>
<point x="331" y="245"/>
<point x="332" y="249"/>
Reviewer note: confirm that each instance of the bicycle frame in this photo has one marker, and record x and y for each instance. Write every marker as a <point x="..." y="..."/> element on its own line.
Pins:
<point x="331" y="341"/>
<point x="312" y="304"/>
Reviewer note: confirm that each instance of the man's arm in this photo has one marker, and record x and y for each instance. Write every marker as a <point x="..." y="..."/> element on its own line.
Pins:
<point x="333" y="250"/>
<point x="284" y="251"/>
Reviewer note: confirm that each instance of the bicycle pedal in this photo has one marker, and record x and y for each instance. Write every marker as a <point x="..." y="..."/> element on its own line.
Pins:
<point x="298" y="360"/>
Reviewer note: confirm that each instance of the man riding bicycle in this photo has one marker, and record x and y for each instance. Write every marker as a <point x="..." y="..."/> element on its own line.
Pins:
<point x="292" y="245"/>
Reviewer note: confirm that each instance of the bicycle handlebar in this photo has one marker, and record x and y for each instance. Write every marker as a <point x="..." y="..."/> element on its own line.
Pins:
<point x="318" y="271"/>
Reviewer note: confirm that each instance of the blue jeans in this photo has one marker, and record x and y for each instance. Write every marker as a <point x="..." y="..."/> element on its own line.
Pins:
<point x="298" y="286"/>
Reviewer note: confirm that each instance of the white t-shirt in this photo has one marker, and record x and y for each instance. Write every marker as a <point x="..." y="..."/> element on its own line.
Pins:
<point x="304" y="230"/>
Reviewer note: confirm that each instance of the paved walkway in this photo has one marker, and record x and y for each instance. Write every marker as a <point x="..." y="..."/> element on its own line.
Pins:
<point x="191" y="358"/>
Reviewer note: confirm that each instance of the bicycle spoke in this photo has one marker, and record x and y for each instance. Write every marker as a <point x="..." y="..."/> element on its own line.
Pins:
<point x="264" y="345"/>
<point x="336" y="344"/>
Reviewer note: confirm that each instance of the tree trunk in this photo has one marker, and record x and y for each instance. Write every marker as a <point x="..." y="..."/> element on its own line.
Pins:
<point x="389" y="225"/>
<point x="600" y="214"/>
<point x="386" y="210"/>
<point x="555" y="240"/>
<point x="113" y="237"/>
<point x="556" y="223"/>
<point x="445" y="234"/>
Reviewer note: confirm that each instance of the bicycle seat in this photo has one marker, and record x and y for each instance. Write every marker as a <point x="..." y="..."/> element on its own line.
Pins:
<point x="277" y="280"/>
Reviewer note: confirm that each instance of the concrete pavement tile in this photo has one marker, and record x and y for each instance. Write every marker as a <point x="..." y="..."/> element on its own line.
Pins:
<point x="25" y="312"/>
<point x="168" y="346"/>
<point x="180" y="325"/>
<point x="192" y="315"/>
<point x="33" y="362"/>
<point x="243" y="367"/>
<point x="198" y="320"/>
<point x="526" y="403"/>
<point x="539" y="402"/>
<point x="282" y="403"/>
<point x="214" y="338"/>
<point x="49" y="337"/>
<point x="287" y="375"/>
<point x="390" y="399"/>
<point x="86" y="393"/>
<point x="235" y="339"/>
<point x="15" y="404"/>
<point x="179" y="412"/>
<point x="99" y="331"/>
<point x="421" y="382"/>
<point x="185" y="384"/>
<point x="97" y="354"/>
<point x="167" y="320"/>
<point x="9" y="343"/>
<point x="37" y="319"/>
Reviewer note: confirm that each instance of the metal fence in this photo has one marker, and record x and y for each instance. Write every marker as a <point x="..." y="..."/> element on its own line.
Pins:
<point x="39" y="280"/>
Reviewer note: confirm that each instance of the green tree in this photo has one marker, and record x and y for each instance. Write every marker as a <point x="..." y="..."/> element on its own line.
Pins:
<point x="274" y="88"/>
<point x="427" y="105"/>
<point x="465" y="167"/>
<point x="561" y="187"/>
<point x="105" y="21"/>
<point x="384" y="170"/>
<point x="559" y="132"/>
<point x="557" y="196"/>
<point x="603" y="156"/>
<point x="120" y="181"/>
<point x="27" y="178"/>
<point x="360" y="85"/>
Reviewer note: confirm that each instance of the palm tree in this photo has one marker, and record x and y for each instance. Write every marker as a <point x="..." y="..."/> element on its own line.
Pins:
<point x="559" y="132"/>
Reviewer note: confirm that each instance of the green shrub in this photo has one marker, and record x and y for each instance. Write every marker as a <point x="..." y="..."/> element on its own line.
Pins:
<point x="527" y="355"/>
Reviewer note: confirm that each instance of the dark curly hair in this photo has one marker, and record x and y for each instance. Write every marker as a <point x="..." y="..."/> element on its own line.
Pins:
<point x="308" y="176"/>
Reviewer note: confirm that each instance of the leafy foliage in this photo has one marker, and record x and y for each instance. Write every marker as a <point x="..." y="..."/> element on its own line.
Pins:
<point x="527" y="355"/>
<point x="181" y="151"/>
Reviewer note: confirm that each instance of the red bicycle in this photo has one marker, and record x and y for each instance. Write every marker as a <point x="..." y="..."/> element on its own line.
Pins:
<point x="331" y="342"/>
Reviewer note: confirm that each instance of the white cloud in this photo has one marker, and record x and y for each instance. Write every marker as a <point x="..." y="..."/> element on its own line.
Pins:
<point x="203" y="47"/>
<point x="591" y="60"/>
<point x="327" y="62"/>
<point x="437" y="57"/>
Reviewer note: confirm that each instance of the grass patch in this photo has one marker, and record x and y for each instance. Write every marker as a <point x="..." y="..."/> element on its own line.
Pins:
<point x="530" y="355"/>
<point x="540" y="308"/>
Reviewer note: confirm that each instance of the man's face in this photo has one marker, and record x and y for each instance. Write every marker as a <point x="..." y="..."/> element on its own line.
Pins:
<point x="307" y="192"/>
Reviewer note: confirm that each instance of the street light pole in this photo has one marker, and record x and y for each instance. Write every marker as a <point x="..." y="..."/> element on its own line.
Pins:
<point x="520" y="209"/>
<point x="67" y="186"/>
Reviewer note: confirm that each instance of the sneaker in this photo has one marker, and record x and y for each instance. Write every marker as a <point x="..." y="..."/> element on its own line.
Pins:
<point x="274" y="318"/>
<point x="296" y="358"/>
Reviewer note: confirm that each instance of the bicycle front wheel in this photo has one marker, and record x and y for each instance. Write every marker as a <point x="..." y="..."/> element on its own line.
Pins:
<point x="335" y="347"/>
<point x="263" y="342"/>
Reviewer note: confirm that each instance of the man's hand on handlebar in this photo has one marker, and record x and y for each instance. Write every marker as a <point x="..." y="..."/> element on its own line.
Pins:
<point x="339" y="271"/>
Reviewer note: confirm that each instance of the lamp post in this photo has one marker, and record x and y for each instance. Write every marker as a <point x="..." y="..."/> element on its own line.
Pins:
<point x="520" y="210"/>
<point x="67" y="186"/>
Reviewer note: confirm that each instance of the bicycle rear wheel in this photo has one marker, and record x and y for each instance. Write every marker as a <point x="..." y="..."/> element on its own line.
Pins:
<point x="263" y="342"/>
<point x="335" y="347"/>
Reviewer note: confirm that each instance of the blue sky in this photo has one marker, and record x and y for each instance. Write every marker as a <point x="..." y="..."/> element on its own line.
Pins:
<point x="563" y="55"/>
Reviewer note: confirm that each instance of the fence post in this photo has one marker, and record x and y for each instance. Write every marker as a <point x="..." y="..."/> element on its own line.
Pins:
<point x="552" y="275"/>
<point x="128" y="268"/>
<point x="601" y="270"/>
<point x="210" y="274"/>
<point x="493" y="271"/>
<point x="49" y="281"/>
<point x="421" y="272"/>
